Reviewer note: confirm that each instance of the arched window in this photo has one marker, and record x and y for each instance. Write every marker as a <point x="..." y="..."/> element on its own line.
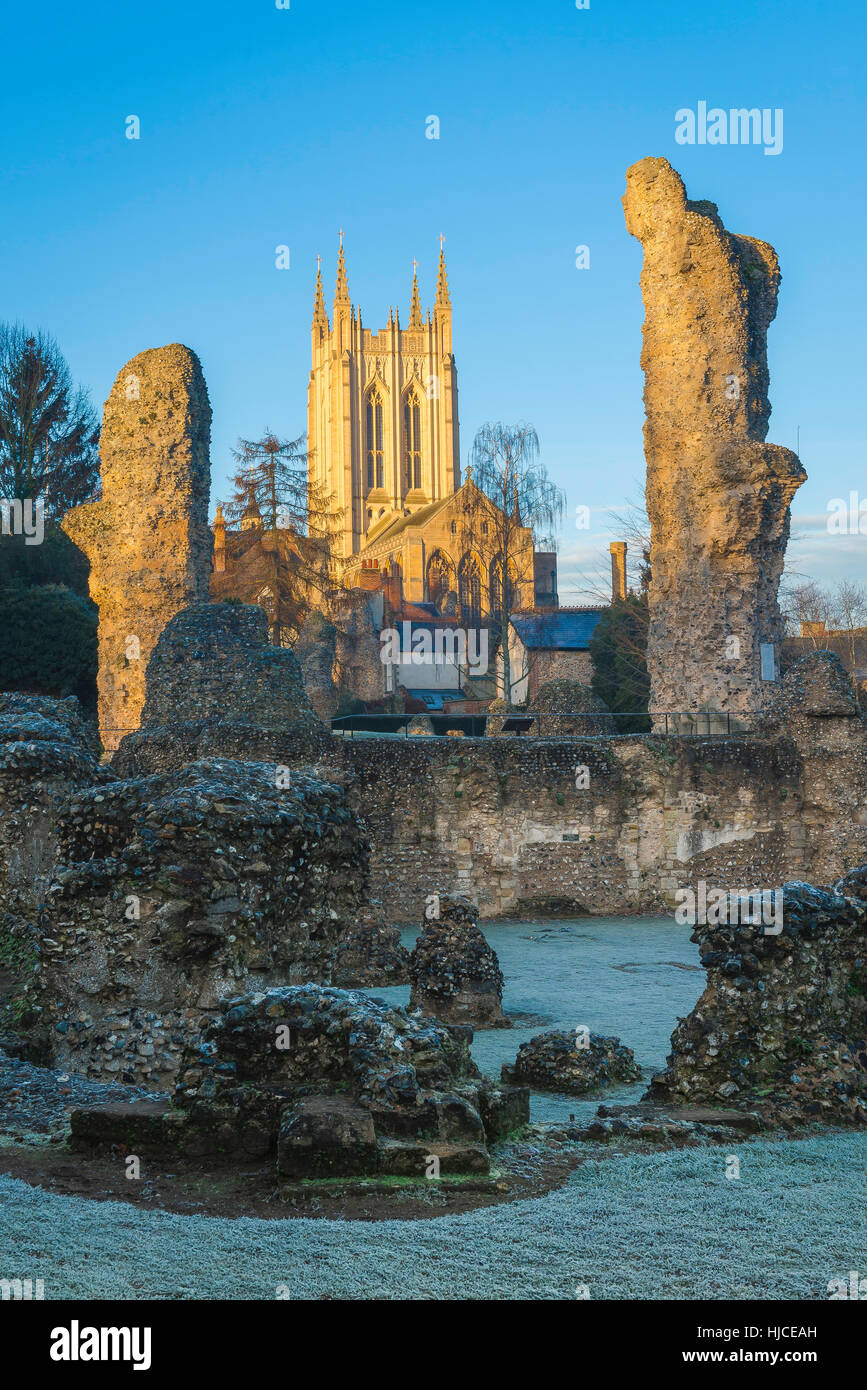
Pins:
<point x="411" y="441"/>
<point x="440" y="577"/>
<point x="375" y="448"/>
<point x="470" y="592"/>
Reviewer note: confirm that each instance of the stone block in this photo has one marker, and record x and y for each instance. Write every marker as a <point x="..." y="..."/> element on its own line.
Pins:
<point x="398" y="1158"/>
<point x="326" y="1137"/>
<point x="504" y="1109"/>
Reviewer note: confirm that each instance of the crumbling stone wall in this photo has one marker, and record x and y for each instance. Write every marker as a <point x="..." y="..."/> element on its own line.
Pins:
<point x="358" y="663"/>
<point x="370" y="953"/>
<point x="173" y="890"/>
<point x="717" y="496"/>
<point x="782" y="1023"/>
<point x="315" y="650"/>
<point x="217" y="687"/>
<point x="563" y="696"/>
<point x="454" y="973"/>
<point x="46" y="751"/>
<point x="147" y="540"/>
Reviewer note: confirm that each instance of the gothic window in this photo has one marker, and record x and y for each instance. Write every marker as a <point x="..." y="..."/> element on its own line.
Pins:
<point x="470" y="592"/>
<point x="439" y="577"/>
<point x="411" y="441"/>
<point x="375" y="447"/>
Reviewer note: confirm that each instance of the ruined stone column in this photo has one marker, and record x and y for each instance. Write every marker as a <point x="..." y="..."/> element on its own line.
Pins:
<point x="147" y="539"/>
<point x="717" y="496"/>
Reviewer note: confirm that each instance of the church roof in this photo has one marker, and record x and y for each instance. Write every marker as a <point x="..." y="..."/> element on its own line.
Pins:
<point x="388" y="529"/>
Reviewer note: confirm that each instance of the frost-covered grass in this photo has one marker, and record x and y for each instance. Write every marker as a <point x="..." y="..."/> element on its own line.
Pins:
<point x="663" y="1226"/>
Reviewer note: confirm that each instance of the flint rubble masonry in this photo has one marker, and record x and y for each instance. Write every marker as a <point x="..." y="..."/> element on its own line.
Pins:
<point x="147" y="540"/>
<point x="717" y="496"/>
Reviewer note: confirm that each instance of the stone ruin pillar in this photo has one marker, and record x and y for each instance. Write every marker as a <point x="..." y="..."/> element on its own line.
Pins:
<point x="717" y="496"/>
<point x="147" y="540"/>
<point x="454" y="974"/>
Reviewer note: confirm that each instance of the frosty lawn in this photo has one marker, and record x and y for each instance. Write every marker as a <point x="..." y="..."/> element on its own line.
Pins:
<point x="665" y="1226"/>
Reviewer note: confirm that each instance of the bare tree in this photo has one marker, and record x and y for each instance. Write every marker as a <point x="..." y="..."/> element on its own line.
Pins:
<point x="511" y="503"/>
<point x="809" y="610"/>
<point x="49" y="430"/>
<point x="851" y="600"/>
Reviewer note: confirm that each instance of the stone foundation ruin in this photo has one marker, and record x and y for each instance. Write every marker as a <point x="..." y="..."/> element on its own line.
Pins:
<point x="454" y="973"/>
<point x="566" y="1063"/>
<point x="782" y="1023"/>
<point x="331" y="1083"/>
<point x="171" y="891"/>
<point x="216" y="687"/>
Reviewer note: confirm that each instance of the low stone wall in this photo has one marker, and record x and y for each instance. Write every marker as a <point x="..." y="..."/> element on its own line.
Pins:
<point x="616" y="825"/>
<point x="335" y="1084"/>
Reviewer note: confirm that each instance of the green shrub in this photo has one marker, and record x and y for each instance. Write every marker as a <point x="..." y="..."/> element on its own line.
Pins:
<point x="48" y="642"/>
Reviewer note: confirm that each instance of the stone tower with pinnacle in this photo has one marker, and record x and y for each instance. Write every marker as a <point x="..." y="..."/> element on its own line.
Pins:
<point x="382" y="409"/>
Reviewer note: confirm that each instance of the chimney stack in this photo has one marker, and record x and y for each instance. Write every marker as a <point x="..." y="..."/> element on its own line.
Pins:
<point x="618" y="571"/>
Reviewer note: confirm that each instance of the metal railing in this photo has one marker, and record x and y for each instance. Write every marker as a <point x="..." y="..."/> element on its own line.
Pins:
<point x="661" y="723"/>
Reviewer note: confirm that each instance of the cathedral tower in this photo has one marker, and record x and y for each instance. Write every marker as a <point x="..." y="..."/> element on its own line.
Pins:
<point x="382" y="410"/>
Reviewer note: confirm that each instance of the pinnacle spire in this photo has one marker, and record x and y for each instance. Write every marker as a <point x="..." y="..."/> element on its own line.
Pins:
<point x="442" y="300"/>
<point x="415" y="318"/>
<point x="319" y="313"/>
<point x="341" y="295"/>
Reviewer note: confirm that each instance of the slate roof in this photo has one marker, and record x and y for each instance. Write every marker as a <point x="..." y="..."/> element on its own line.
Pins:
<point x="558" y="630"/>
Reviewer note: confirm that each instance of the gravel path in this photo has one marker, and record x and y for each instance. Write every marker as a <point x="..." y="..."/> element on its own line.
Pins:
<point x="665" y="1226"/>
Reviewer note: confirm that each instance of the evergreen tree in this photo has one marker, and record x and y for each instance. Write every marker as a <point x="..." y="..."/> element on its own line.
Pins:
<point x="49" y="431"/>
<point x="618" y="650"/>
<point x="56" y="561"/>
<point x="289" y="559"/>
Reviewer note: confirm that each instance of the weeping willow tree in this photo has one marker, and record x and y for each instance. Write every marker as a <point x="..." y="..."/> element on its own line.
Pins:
<point x="283" y="527"/>
<point x="511" y="508"/>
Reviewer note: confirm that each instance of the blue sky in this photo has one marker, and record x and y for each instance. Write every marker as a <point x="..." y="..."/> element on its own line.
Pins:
<point x="263" y="126"/>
